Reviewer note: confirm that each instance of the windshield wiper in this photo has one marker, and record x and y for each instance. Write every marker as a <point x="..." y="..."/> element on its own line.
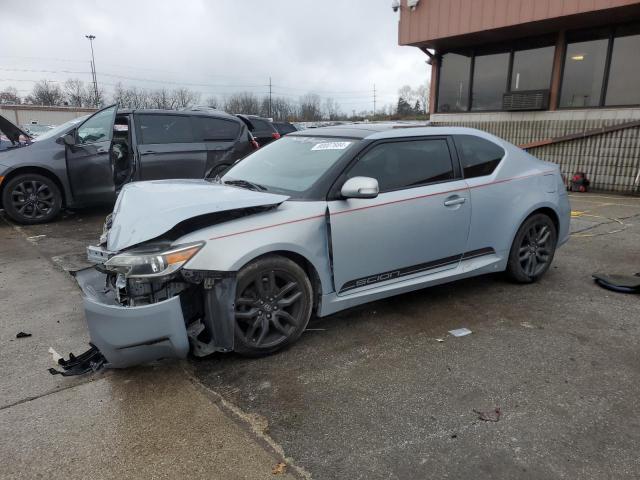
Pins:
<point x="246" y="184"/>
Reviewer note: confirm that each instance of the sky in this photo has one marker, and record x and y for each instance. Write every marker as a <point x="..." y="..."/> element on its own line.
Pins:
<point x="335" y="48"/>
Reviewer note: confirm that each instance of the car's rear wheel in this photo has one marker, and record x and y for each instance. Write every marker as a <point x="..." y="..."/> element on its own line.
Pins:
<point x="273" y="305"/>
<point x="533" y="249"/>
<point x="31" y="198"/>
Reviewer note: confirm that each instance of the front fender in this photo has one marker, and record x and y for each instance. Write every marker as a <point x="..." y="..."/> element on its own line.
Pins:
<point x="295" y="227"/>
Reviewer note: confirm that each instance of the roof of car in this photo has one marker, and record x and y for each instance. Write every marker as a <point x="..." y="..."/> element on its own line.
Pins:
<point x="353" y="130"/>
<point x="202" y="113"/>
<point x="376" y="131"/>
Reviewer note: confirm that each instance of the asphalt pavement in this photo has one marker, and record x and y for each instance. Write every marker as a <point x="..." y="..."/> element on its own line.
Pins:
<point x="545" y="386"/>
<point x="148" y="422"/>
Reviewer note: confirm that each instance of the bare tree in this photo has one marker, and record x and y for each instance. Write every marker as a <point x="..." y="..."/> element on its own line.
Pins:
<point x="47" y="93"/>
<point x="331" y="109"/>
<point x="213" y="102"/>
<point x="162" y="99"/>
<point x="310" y="107"/>
<point x="10" y="96"/>
<point x="75" y="93"/>
<point x="92" y="100"/>
<point x="183" y="98"/>
<point x="283" y="109"/>
<point x="243" y="102"/>
<point x="423" y="93"/>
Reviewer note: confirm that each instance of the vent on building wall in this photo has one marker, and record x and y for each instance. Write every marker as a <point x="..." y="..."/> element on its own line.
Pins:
<point x="526" y="100"/>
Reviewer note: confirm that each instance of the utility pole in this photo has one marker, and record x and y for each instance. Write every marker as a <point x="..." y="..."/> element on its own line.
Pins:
<point x="270" y="97"/>
<point x="374" y="101"/>
<point x="91" y="38"/>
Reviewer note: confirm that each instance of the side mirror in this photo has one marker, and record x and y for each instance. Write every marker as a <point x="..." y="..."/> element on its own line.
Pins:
<point x="68" y="139"/>
<point x="360" y="187"/>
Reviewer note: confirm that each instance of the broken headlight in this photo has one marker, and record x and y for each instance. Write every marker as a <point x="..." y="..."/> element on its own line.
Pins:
<point x="146" y="264"/>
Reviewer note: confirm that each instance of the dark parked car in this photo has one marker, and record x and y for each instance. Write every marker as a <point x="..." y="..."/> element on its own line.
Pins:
<point x="284" y="128"/>
<point x="86" y="161"/>
<point x="261" y="128"/>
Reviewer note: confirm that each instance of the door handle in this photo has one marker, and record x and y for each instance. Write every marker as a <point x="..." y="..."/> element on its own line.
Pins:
<point x="452" y="201"/>
<point x="148" y="152"/>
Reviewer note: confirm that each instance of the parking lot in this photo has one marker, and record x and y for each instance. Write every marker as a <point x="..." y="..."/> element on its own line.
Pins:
<point x="383" y="391"/>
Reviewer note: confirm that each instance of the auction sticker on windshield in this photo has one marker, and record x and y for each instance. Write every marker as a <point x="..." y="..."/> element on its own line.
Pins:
<point x="331" y="146"/>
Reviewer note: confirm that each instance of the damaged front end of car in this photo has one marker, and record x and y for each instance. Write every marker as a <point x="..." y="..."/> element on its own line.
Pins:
<point x="142" y="305"/>
<point x="141" y="300"/>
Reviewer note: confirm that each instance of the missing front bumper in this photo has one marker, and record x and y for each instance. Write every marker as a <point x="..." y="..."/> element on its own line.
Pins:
<point x="128" y="336"/>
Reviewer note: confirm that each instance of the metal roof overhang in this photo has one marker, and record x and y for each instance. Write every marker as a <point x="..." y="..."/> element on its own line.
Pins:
<point x="533" y="29"/>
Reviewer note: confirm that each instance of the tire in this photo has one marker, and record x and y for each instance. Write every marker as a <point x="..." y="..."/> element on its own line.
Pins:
<point x="273" y="305"/>
<point x="533" y="249"/>
<point x="30" y="198"/>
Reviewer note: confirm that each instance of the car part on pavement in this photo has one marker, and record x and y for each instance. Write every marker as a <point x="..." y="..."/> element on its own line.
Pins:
<point x="90" y="361"/>
<point x="460" y="332"/>
<point x="618" y="283"/>
<point x="323" y="220"/>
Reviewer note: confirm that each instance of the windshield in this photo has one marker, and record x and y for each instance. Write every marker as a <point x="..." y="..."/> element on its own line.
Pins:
<point x="291" y="164"/>
<point x="60" y="129"/>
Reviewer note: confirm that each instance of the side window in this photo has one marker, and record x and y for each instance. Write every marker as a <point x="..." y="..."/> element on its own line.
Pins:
<point x="479" y="157"/>
<point x="165" y="129"/>
<point x="98" y="128"/>
<point x="211" y="129"/>
<point x="259" y="125"/>
<point x="399" y="165"/>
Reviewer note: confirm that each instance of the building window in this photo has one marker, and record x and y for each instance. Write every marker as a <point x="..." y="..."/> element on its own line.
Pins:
<point x="584" y="68"/>
<point x="490" y="74"/>
<point x="491" y="71"/>
<point x="532" y="69"/>
<point x="453" y="88"/>
<point x="623" y="87"/>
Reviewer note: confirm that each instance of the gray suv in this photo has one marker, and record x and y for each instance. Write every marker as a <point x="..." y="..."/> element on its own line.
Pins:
<point x="86" y="161"/>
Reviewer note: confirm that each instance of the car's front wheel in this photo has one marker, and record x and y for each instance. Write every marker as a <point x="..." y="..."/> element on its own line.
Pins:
<point x="533" y="249"/>
<point x="31" y="198"/>
<point x="273" y="305"/>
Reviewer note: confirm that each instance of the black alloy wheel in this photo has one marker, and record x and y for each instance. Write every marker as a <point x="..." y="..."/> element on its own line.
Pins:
<point x="533" y="249"/>
<point x="272" y="307"/>
<point x="31" y="198"/>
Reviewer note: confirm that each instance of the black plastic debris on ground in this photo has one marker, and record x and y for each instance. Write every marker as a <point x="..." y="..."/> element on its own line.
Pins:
<point x="23" y="335"/>
<point x="90" y="361"/>
<point x="618" y="283"/>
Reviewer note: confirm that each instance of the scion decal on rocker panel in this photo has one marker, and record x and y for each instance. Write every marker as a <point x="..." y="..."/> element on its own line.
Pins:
<point x="422" y="267"/>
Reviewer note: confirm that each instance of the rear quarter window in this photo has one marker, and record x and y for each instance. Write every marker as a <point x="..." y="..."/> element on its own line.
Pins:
<point x="156" y="129"/>
<point x="260" y="125"/>
<point x="216" y="129"/>
<point x="479" y="157"/>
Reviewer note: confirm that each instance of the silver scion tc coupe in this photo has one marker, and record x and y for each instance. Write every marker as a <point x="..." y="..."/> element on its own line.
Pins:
<point x="314" y="223"/>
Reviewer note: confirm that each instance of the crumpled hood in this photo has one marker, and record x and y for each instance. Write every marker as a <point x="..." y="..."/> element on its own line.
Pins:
<point x="146" y="210"/>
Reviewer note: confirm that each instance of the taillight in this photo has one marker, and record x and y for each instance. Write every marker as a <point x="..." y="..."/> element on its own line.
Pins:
<point x="275" y="135"/>
<point x="255" y="144"/>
